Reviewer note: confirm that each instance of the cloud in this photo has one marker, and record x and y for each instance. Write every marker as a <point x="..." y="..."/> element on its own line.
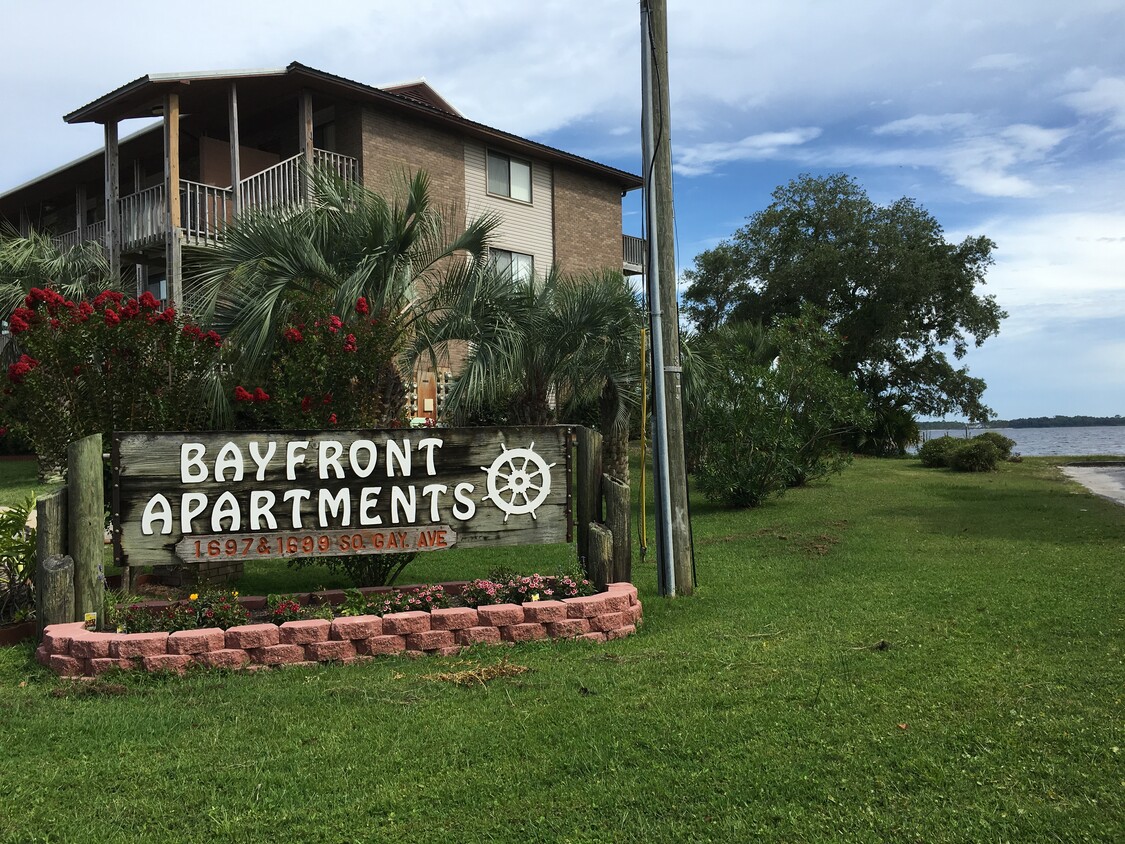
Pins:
<point x="1104" y="98"/>
<point x="923" y="123"/>
<point x="701" y="159"/>
<point x="1000" y="61"/>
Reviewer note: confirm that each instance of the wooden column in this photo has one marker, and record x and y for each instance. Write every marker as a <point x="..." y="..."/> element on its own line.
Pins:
<point x="305" y="116"/>
<point x="52" y="590"/>
<point x="112" y="198"/>
<point x="86" y="523"/>
<point x="80" y="212"/>
<point x="172" y="185"/>
<point x="617" y="511"/>
<point x="235" y="157"/>
<point x="589" y="491"/>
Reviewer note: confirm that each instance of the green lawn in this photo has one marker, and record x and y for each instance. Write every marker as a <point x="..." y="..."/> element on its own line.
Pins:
<point x="900" y="654"/>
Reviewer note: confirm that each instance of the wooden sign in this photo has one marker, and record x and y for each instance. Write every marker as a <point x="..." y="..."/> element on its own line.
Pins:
<point x="193" y="497"/>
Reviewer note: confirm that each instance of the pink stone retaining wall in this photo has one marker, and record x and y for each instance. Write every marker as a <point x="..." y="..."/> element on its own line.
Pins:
<point x="72" y="651"/>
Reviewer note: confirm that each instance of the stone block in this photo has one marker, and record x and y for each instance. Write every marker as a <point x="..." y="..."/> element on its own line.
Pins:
<point x="66" y="666"/>
<point x="607" y="621"/>
<point x="224" y="658"/>
<point x="585" y="607"/>
<point x="453" y="618"/>
<point x="342" y="650"/>
<point x="430" y="640"/>
<point x="102" y="665"/>
<point x="138" y="644"/>
<point x="621" y="632"/>
<point x="633" y="614"/>
<point x="167" y="662"/>
<point x="568" y="628"/>
<point x="402" y="623"/>
<point x="196" y="641"/>
<point x="356" y="627"/>
<point x="478" y="636"/>
<point x="57" y="637"/>
<point x="616" y="602"/>
<point x="247" y="636"/>
<point x="452" y="650"/>
<point x="91" y="645"/>
<point x="523" y="632"/>
<point x="381" y="645"/>
<point x="278" y="654"/>
<point x="627" y="589"/>
<point x="43" y="655"/>
<point x="305" y="632"/>
<point x="593" y="637"/>
<point x="541" y="612"/>
<point x="500" y="615"/>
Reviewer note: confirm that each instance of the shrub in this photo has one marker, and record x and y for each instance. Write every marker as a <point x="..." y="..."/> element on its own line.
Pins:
<point x="218" y="608"/>
<point x="425" y="598"/>
<point x="361" y="569"/>
<point x="935" y="453"/>
<point x="975" y="455"/>
<point x="114" y="363"/>
<point x="761" y="429"/>
<point x="17" y="562"/>
<point x="1003" y="444"/>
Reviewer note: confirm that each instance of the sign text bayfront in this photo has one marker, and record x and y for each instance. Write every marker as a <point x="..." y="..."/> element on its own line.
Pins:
<point x="194" y="497"/>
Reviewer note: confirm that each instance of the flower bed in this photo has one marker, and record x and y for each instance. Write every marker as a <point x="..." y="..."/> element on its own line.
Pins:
<point x="70" y="650"/>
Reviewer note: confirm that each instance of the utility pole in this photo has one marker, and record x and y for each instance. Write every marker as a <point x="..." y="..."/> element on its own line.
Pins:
<point x="675" y="568"/>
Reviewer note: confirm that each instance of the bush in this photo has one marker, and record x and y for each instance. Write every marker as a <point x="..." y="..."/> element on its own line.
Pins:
<point x="975" y="455"/>
<point x="17" y="563"/>
<point x="935" y="453"/>
<point x="761" y="429"/>
<point x="1003" y="444"/>
<point x="111" y="364"/>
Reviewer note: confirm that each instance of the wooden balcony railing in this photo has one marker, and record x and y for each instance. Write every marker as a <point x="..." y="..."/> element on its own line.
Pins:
<point x="633" y="251"/>
<point x="144" y="218"/>
<point x="205" y="212"/>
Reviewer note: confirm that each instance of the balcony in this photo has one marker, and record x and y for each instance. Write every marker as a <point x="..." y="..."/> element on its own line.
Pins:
<point x="206" y="210"/>
<point x="633" y="251"/>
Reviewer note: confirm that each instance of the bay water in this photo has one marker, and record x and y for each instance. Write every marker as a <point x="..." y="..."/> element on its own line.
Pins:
<point x="1036" y="442"/>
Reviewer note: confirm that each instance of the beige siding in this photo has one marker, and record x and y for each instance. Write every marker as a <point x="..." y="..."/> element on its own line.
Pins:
<point x="524" y="228"/>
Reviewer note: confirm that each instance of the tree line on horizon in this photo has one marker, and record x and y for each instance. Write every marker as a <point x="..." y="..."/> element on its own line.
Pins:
<point x="1033" y="422"/>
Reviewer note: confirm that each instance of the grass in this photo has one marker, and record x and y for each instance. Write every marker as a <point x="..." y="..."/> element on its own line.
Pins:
<point x="900" y="654"/>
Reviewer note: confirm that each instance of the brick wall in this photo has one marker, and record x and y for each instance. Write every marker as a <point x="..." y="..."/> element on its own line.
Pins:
<point x="393" y="146"/>
<point x="587" y="223"/>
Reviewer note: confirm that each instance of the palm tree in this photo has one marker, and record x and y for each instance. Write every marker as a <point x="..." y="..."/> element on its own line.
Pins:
<point x="345" y="243"/>
<point x="543" y="350"/>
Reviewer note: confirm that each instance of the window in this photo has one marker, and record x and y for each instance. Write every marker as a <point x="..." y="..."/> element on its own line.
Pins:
<point x="509" y="177"/>
<point x="521" y="266"/>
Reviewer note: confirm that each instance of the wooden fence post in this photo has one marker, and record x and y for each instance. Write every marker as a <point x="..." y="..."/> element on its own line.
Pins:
<point x="54" y="591"/>
<point x="600" y="560"/>
<point x="589" y="491"/>
<point x="86" y="534"/>
<point x="617" y="512"/>
<point x="50" y="540"/>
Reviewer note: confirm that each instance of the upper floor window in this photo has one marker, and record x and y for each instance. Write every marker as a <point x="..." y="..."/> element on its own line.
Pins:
<point x="519" y="265"/>
<point x="509" y="176"/>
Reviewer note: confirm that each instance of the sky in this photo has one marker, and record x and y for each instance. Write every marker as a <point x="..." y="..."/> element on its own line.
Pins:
<point x="1004" y="119"/>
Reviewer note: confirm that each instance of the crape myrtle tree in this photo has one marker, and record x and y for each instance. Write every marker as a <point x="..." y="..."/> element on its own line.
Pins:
<point x="897" y="294"/>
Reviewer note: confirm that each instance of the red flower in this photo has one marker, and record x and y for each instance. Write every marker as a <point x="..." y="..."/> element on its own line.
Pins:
<point x="306" y="403"/>
<point x="76" y="371"/>
<point x="19" y="370"/>
<point x="260" y="394"/>
<point x="332" y="419"/>
<point x="240" y="394"/>
<point x="111" y="317"/>
<point x="361" y="306"/>
<point x="192" y="331"/>
<point x="106" y="296"/>
<point x="130" y="309"/>
<point x="16" y="325"/>
<point x="55" y="323"/>
<point x="293" y="335"/>
<point x="3" y="430"/>
<point x="327" y="399"/>
<point x="334" y="323"/>
<point x="149" y="301"/>
<point x="85" y="310"/>
<point x="349" y="343"/>
<point x="168" y="315"/>
<point x="214" y="338"/>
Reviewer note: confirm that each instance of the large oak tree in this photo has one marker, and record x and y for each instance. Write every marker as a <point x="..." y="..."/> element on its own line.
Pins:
<point x="901" y="298"/>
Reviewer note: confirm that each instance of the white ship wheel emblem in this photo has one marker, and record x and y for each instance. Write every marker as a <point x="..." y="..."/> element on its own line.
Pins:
<point x="519" y="480"/>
